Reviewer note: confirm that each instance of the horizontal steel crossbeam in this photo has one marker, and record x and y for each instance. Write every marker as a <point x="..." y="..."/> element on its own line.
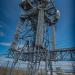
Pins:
<point x="64" y="54"/>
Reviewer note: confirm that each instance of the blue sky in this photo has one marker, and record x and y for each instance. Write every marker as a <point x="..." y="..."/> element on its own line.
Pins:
<point x="9" y="16"/>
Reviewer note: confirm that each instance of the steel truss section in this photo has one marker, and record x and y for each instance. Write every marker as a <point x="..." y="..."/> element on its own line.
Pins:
<point x="64" y="54"/>
<point x="29" y="43"/>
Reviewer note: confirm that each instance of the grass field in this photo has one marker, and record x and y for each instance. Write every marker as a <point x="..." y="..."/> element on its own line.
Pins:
<point x="5" y="71"/>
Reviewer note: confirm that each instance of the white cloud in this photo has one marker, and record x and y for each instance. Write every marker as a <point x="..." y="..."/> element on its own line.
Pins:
<point x="5" y="43"/>
<point x="2" y="34"/>
<point x="9" y="44"/>
<point x="1" y="26"/>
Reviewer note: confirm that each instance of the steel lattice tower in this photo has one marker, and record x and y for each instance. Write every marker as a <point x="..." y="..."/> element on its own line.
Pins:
<point x="32" y="42"/>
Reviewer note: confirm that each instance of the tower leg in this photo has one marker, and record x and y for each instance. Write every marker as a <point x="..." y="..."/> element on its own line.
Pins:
<point x="53" y="37"/>
<point x="53" y="47"/>
<point x="39" y="33"/>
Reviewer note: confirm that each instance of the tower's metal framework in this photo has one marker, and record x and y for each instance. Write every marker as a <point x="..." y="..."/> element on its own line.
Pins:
<point x="32" y="42"/>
